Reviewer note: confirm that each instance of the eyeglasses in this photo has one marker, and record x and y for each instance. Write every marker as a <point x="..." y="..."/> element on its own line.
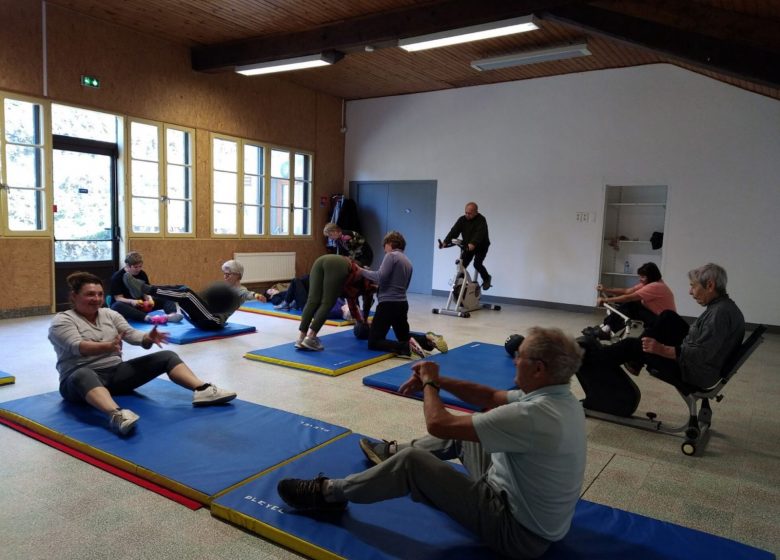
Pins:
<point x="230" y="273"/>
<point x="519" y="357"/>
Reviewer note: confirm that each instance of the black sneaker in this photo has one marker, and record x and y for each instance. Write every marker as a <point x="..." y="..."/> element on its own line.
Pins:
<point x="306" y="495"/>
<point x="376" y="452"/>
<point x="486" y="283"/>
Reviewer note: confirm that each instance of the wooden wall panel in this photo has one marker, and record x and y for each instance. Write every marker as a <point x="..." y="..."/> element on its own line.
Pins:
<point x="21" y="62"/>
<point x="26" y="275"/>
<point x="146" y="77"/>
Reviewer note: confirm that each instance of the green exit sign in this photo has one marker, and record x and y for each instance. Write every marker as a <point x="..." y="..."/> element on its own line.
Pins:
<point x="90" y="81"/>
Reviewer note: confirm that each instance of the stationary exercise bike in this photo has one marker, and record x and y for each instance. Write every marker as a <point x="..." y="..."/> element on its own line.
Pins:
<point x="465" y="293"/>
<point x="633" y="328"/>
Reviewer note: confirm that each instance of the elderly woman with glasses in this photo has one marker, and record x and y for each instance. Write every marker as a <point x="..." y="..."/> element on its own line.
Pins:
<point x="210" y="309"/>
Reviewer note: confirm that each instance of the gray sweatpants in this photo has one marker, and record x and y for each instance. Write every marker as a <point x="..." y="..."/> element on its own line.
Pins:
<point x="419" y="469"/>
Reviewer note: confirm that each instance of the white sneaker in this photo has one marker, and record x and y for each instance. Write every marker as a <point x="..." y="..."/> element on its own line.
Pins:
<point x="211" y="395"/>
<point x="438" y="341"/>
<point x="123" y="421"/>
<point x="299" y="344"/>
<point x="312" y="343"/>
<point x="175" y="317"/>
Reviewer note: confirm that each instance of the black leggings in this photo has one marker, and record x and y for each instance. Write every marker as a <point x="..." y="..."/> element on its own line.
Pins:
<point x="393" y="314"/>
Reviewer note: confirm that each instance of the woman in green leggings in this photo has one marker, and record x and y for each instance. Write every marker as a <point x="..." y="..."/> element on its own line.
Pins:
<point x="332" y="276"/>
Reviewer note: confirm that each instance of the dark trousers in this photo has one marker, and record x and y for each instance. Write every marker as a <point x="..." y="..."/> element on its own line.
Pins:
<point x="195" y="308"/>
<point x="478" y="254"/>
<point x="132" y="313"/>
<point x="393" y="314"/>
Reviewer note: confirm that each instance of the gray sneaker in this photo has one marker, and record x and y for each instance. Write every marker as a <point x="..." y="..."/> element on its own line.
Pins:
<point x="137" y="288"/>
<point x="123" y="421"/>
<point x="284" y="306"/>
<point x="438" y="341"/>
<point x="312" y="343"/>
<point x="175" y="317"/>
<point x="211" y="395"/>
<point x="376" y="451"/>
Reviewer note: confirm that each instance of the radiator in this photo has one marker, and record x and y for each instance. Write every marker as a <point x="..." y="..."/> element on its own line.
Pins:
<point x="266" y="267"/>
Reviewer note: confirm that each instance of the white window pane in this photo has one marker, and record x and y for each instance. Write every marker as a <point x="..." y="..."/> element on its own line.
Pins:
<point x="225" y="219"/>
<point x="302" y="195"/>
<point x="301" y="222"/>
<point x="143" y="139"/>
<point x="179" y="182"/>
<point x="178" y="146"/>
<point x="145" y="179"/>
<point x="253" y="220"/>
<point x="225" y="155"/>
<point x="25" y="210"/>
<point x="76" y="251"/>
<point x="303" y="167"/>
<point x="179" y="216"/>
<point x="22" y="122"/>
<point x="253" y="159"/>
<point x="23" y="166"/>
<point x="280" y="192"/>
<point x="82" y="123"/>
<point x="146" y="215"/>
<point x="253" y="190"/>
<point x="280" y="164"/>
<point x="280" y="221"/>
<point x="225" y="187"/>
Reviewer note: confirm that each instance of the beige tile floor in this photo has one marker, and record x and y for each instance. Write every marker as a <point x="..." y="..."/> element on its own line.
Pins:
<point x="55" y="506"/>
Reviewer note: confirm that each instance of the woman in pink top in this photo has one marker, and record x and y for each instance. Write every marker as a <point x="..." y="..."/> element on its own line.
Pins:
<point x="643" y="302"/>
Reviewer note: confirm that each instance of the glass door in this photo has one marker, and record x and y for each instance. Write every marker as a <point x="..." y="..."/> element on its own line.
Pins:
<point x="86" y="237"/>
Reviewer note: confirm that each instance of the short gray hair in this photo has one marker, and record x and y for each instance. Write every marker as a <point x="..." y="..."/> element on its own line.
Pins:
<point x="233" y="267"/>
<point x="329" y="227"/>
<point x="559" y="352"/>
<point x="710" y="272"/>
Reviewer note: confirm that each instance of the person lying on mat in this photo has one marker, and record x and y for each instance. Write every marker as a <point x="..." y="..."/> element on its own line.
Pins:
<point x="642" y="302"/>
<point x="393" y="279"/>
<point x="332" y="276"/>
<point x="210" y="309"/>
<point x="525" y="456"/>
<point x="137" y="308"/>
<point x="88" y="341"/>
<point x="695" y="355"/>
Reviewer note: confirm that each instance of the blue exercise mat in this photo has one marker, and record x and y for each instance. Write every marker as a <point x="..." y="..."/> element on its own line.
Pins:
<point x="343" y="352"/>
<point x="334" y="320"/>
<point x="185" y="332"/>
<point x="401" y="528"/>
<point x="480" y="362"/>
<point x="6" y="378"/>
<point x="197" y="452"/>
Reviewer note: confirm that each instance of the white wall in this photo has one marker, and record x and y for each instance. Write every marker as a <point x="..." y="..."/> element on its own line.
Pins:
<point x="533" y="153"/>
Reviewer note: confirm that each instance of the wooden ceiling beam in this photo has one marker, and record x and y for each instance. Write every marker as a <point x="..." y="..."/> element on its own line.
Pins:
<point x="376" y="31"/>
<point x="718" y="54"/>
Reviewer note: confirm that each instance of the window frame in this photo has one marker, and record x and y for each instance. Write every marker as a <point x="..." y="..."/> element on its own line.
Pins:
<point x="45" y="147"/>
<point x="163" y="200"/>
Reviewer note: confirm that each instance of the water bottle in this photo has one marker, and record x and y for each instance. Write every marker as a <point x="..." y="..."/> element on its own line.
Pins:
<point x="627" y="267"/>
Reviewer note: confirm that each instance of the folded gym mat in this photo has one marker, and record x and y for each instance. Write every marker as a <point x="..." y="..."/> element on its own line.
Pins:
<point x="343" y="352"/>
<point x="185" y="332"/>
<point x="6" y="378"/>
<point x="401" y="528"/>
<point x="294" y="314"/>
<point x="197" y="452"/>
<point x="480" y="362"/>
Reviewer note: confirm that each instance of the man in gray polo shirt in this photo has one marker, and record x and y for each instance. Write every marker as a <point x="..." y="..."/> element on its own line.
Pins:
<point x="525" y="456"/>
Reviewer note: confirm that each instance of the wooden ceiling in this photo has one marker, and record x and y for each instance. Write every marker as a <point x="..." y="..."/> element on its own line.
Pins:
<point x="734" y="41"/>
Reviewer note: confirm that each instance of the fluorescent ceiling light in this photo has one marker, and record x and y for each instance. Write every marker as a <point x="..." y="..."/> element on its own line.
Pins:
<point x="298" y="63"/>
<point x="532" y="57"/>
<point x="467" y="34"/>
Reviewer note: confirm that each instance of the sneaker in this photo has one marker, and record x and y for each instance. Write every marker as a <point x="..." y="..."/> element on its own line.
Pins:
<point x="299" y="344"/>
<point x="486" y="282"/>
<point x="284" y="306"/>
<point x="123" y="421"/>
<point x="438" y="341"/>
<point x="175" y="317"/>
<point x="376" y="452"/>
<point x="416" y="351"/>
<point x="211" y="395"/>
<point x="312" y="343"/>
<point x="306" y="495"/>
<point x="137" y="288"/>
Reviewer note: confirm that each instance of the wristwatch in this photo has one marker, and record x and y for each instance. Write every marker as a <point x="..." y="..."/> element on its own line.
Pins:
<point x="433" y="384"/>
